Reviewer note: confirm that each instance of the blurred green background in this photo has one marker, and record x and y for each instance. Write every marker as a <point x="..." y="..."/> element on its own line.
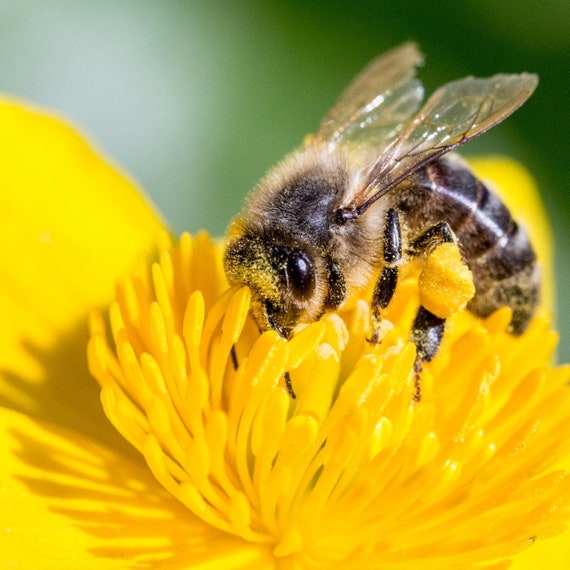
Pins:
<point x="198" y="99"/>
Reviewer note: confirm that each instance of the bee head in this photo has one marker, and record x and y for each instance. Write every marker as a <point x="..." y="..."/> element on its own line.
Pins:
<point x="282" y="280"/>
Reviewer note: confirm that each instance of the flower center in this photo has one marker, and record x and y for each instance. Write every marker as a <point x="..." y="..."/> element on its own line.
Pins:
<point x="353" y="469"/>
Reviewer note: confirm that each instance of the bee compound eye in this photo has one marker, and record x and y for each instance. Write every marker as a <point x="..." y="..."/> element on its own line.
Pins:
<point x="300" y="274"/>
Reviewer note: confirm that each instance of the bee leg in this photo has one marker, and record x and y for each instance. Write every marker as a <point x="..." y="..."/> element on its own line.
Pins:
<point x="233" y="353"/>
<point x="289" y="386"/>
<point x="427" y="332"/>
<point x="388" y="279"/>
<point x="436" y="235"/>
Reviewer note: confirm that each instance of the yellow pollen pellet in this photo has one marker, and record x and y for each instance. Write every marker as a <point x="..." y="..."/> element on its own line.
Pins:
<point x="445" y="283"/>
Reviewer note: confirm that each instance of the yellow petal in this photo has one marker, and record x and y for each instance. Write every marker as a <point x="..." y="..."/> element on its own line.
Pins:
<point x="553" y="554"/>
<point x="70" y="224"/>
<point x="67" y="502"/>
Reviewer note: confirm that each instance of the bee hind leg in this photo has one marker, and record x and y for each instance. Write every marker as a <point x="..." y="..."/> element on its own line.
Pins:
<point x="427" y="332"/>
<point x="432" y="237"/>
<point x="427" y="329"/>
<point x="234" y="357"/>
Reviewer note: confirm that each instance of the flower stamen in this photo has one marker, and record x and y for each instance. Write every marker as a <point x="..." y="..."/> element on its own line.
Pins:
<point x="353" y="469"/>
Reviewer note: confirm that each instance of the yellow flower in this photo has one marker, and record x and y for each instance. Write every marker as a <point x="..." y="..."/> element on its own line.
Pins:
<point x="229" y="471"/>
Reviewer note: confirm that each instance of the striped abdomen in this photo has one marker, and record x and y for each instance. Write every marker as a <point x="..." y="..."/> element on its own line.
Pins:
<point x="496" y="249"/>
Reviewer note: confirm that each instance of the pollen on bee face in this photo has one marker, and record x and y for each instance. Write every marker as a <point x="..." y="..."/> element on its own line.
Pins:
<point x="246" y="262"/>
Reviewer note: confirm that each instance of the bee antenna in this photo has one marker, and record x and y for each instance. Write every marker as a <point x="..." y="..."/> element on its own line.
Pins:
<point x="345" y="214"/>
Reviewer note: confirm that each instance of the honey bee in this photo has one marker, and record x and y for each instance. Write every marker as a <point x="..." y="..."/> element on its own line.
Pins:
<point x="375" y="187"/>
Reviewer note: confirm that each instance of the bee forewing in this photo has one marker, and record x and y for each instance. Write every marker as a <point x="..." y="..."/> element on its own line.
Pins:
<point x="453" y="115"/>
<point x="381" y="98"/>
<point x="464" y="109"/>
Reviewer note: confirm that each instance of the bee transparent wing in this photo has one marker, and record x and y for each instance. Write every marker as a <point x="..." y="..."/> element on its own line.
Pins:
<point x="382" y="97"/>
<point x="453" y="115"/>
